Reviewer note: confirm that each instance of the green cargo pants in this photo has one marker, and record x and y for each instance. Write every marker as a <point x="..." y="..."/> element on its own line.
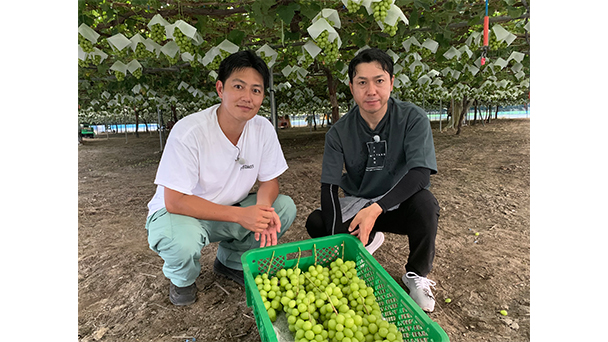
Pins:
<point x="179" y="239"/>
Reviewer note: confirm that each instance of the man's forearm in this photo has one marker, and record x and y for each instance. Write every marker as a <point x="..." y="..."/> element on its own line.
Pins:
<point x="268" y="192"/>
<point x="200" y="208"/>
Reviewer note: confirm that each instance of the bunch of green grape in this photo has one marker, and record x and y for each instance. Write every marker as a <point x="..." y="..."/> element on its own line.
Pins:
<point x="381" y="9"/>
<point x="390" y="30"/>
<point x="215" y="63"/>
<point x="330" y="49"/>
<point x="266" y="59"/>
<point x="326" y="304"/>
<point x="352" y="6"/>
<point x="96" y="59"/>
<point x="137" y="72"/>
<point x="184" y="42"/>
<point x="308" y="60"/>
<point x="85" y="44"/>
<point x="157" y="33"/>
<point x="194" y="62"/>
<point x="120" y="76"/>
<point x="141" y="52"/>
<point x="83" y="64"/>
<point x="172" y="60"/>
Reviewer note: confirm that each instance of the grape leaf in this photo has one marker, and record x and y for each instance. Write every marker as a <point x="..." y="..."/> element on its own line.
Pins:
<point x="286" y="13"/>
<point x="236" y="36"/>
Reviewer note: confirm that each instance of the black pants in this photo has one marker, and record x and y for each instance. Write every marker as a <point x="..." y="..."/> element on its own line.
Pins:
<point x="417" y="218"/>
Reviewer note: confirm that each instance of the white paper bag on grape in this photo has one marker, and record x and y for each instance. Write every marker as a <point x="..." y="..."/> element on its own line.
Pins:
<point x="153" y="46"/>
<point x="431" y="45"/>
<point x="228" y="46"/>
<point x="329" y="15"/>
<point x="119" y="66"/>
<point x="286" y="70"/>
<point x="408" y="42"/>
<point x="186" y="56"/>
<point x="157" y="19"/>
<point x="119" y="41"/>
<point x="393" y="14"/>
<point x="81" y="54"/>
<point x="133" y="65"/>
<point x="136" y="89"/>
<point x="170" y="49"/>
<point x="187" y="29"/>
<point x="311" y="48"/>
<point x="136" y="39"/>
<point x="321" y="25"/>
<point x="268" y="52"/>
<point x="210" y="55"/>
<point x="101" y="54"/>
<point x="88" y="33"/>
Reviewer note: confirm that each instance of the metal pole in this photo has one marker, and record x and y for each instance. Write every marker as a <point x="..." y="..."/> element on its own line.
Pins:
<point x="160" y="131"/>
<point x="273" y="110"/>
<point x="440" y="112"/>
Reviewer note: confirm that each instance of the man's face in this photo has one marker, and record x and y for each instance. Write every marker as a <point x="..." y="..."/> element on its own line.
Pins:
<point x="371" y="88"/>
<point x="242" y="93"/>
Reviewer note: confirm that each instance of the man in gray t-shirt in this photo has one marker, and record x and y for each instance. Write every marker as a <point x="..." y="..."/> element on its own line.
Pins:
<point x="386" y="148"/>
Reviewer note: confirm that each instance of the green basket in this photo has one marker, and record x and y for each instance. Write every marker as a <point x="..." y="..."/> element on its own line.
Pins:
<point x="395" y="304"/>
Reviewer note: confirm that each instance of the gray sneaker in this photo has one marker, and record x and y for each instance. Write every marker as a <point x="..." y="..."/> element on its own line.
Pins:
<point x="420" y="290"/>
<point x="182" y="296"/>
<point x="376" y="239"/>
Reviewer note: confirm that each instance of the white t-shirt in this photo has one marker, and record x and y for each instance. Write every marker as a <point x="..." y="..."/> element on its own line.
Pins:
<point x="200" y="160"/>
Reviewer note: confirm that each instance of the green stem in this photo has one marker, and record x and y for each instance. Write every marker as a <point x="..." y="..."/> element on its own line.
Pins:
<point x="270" y="264"/>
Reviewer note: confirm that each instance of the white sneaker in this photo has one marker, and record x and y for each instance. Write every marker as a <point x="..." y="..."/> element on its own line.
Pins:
<point x="420" y="290"/>
<point x="377" y="241"/>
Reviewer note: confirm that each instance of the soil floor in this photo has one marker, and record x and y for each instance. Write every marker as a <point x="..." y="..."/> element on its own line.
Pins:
<point x="483" y="186"/>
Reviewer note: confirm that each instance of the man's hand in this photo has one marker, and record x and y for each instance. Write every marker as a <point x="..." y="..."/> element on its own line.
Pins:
<point x="257" y="218"/>
<point x="361" y="226"/>
<point x="269" y="235"/>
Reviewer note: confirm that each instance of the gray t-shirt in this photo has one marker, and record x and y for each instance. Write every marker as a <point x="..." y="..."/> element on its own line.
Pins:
<point x="375" y="160"/>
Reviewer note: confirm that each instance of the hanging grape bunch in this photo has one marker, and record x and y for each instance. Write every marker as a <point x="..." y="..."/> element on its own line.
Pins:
<point x="83" y="64"/>
<point x="96" y="59"/>
<point x="215" y="63"/>
<point x="330" y="49"/>
<point x="137" y="73"/>
<point x="308" y="60"/>
<point x="326" y="303"/>
<point x="380" y="9"/>
<point x="184" y="42"/>
<point x="390" y="30"/>
<point x="120" y="76"/>
<point x="157" y="33"/>
<point x="352" y="6"/>
<point x="194" y="62"/>
<point x="141" y="51"/>
<point x="266" y="59"/>
<point x="85" y="44"/>
<point x="172" y="60"/>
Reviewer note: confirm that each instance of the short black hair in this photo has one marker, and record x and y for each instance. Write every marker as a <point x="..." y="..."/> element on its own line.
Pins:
<point x="243" y="59"/>
<point x="368" y="56"/>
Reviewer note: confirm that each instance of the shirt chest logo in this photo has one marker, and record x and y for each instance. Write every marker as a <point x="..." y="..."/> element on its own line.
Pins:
<point x="246" y="167"/>
<point x="376" y="155"/>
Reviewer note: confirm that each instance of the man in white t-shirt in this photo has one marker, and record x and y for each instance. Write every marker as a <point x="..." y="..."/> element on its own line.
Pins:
<point x="211" y="161"/>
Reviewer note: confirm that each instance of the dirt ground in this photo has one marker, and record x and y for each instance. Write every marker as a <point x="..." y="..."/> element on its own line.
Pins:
<point x="483" y="185"/>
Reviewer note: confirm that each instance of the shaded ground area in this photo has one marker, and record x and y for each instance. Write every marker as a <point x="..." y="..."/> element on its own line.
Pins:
<point x="482" y="186"/>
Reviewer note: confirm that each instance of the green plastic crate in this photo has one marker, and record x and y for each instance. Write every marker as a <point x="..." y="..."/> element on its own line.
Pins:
<point x="396" y="305"/>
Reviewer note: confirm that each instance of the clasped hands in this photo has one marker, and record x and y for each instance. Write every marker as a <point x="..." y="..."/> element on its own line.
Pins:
<point x="264" y="222"/>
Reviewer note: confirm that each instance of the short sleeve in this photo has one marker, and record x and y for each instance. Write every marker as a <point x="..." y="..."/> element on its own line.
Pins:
<point x="418" y="144"/>
<point x="273" y="160"/>
<point x="179" y="165"/>
<point x="333" y="158"/>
